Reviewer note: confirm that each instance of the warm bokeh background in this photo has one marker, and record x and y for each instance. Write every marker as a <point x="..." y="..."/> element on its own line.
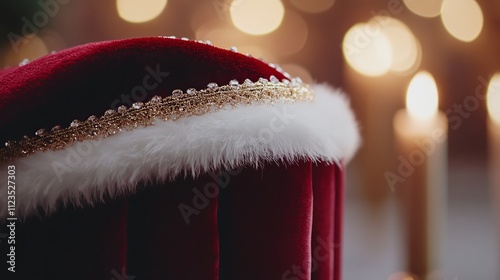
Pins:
<point x="456" y="41"/>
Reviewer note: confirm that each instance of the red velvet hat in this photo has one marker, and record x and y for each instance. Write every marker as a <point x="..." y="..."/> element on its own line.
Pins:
<point x="103" y="120"/>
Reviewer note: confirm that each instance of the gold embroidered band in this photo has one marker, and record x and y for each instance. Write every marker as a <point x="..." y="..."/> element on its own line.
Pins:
<point x="179" y="105"/>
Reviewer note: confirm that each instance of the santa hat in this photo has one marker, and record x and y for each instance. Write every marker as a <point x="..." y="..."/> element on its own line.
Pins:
<point x="117" y="120"/>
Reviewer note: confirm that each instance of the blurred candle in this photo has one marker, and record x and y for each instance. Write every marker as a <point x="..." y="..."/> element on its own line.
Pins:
<point x="493" y="104"/>
<point x="421" y="135"/>
<point x="373" y="52"/>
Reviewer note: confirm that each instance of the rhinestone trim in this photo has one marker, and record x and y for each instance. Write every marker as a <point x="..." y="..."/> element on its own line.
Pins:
<point x="180" y="105"/>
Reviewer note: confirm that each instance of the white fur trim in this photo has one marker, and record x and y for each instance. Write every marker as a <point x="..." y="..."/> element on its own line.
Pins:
<point x="324" y="130"/>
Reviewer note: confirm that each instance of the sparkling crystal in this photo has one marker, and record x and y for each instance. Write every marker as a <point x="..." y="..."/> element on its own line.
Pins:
<point x="191" y="91"/>
<point x="272" y="65"/>
<point x="137" y="105"/>
<point x="122" y="108"/>
<point x="234" y="83"/>
<point x="274" y="80"/>
<point x="109" y="112"/>
<point x="74" y="123"/>
<point x="247" y="82"/>
<point x="26" y="137"/>
<point x="171" y="37"/>
<point x="24" y="62"/>
<point x="156" y="99"/>
<point x="56" y="128"/>
<point x="286" y="74"/>
<point x="40" y="132"/>
<point x="249" y="55"/>
<point x="176" y="93"/>
<point x="299" y="80"/>
<point x="233" y="49"/>
<point x="185" y="39"/>
<point x="8" y="143"/>
<point x="208" y="42"/>
<point x="199" y="41"/>
<point x="212" y="85"/>
<point x="286" y="81"/>
<point x="263" y="81"/>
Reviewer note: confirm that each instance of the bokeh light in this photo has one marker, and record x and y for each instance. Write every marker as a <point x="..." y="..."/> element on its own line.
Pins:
<point x="463" y="19"/>
<point x="220" y="36"/>
<point x="422" y="96"/>
<point x="416" y="64"/>
<point x="424" y="8"/>
<point x="30" y="47"/>
<point x="313" y="6"/>
<point x="368" y="53"/>
<point x="52" y="39"/>
<point x="382" y="44"/>
<point x="140" y="10"/>
<point x="257" y="52"/>
<point x="405" y="46"/>
<point x="281" y="42"/>
<point x="257" y="17"/>
<point x="493" y="98"/>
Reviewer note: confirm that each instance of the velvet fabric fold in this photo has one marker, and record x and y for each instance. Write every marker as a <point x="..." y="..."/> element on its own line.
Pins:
<point x="278" y="221"/>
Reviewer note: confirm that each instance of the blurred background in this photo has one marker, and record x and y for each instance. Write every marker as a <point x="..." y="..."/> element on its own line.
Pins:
<point x="372" y="50"/>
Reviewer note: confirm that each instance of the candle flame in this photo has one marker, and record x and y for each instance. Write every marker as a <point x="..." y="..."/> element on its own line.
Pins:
<point x="493" y="98"/>
<point x="422" y="96"/>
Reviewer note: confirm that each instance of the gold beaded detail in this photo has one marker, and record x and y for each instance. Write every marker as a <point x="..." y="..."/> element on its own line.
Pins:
<point x="178" y="105"/>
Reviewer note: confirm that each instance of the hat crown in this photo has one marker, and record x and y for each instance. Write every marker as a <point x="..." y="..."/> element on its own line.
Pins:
<point x="90" y="79"/>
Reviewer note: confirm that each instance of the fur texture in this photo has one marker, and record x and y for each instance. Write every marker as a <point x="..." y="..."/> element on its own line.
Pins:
<point x="324" y="130"/>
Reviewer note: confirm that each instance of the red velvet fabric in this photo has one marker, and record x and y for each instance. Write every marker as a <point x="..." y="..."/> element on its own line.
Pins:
<point x="89" y="79"/>
<point x="328" y="181"/>
<point x="275" y="222"/>
<point x="74" y="243"/>
<point x="265" y="222"/>
<point x="161" y="244"/>
<point x="280" y="221"/>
